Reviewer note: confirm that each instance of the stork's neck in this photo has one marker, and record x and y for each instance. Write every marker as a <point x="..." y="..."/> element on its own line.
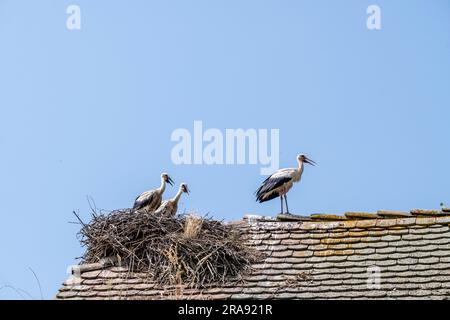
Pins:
<point x="163" y="186"/>
<point x="300" y="166"/>
<point x="177" y="196"/>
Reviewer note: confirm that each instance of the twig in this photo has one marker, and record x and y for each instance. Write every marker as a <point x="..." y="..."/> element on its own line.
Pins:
<point x="38" y="282"/>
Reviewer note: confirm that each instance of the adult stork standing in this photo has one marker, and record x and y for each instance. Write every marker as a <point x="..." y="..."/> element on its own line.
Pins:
<point x="170" y="207"/>
<point x="151" y="199"/>
<point x="280" y="182"/>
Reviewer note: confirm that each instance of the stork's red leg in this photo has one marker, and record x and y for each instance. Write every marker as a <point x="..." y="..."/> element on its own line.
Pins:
<point x="285" y="200"/>
<point x="281" y="198"/>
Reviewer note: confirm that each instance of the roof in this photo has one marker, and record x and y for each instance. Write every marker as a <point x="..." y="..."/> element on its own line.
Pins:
<point x="387" y="255"/>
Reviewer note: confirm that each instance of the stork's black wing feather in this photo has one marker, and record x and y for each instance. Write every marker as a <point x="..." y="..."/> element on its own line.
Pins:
<point x="139" y="204"/>
<point x="269" y="185"/>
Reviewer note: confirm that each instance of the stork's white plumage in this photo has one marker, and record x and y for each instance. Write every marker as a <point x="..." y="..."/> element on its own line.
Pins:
<point x="150" y="200"/>
<point x="170" y="207"/>
<point x="280" y="182"/>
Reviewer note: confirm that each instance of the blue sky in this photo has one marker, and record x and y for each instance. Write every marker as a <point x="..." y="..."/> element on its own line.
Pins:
<point x="90" y="112"/>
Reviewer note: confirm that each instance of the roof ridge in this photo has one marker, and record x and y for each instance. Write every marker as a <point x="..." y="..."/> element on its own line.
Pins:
<point x="351" y="215"/>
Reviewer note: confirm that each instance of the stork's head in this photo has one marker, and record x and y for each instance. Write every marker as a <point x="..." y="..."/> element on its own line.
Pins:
<point x="167" y="178"/>
<point x="184" y="188"/>
<point x="305" y="159"/>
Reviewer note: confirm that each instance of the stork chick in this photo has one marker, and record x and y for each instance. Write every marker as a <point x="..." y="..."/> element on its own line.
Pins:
<point x="150" y="200"/>
<point x="280" y="182"/>
<point x="170" y="207"/>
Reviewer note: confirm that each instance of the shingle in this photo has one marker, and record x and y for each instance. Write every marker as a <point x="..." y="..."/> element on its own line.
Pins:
<point x="407" y="261"/>
<point x="425" y="220"/>
<point x="91" y="274"/>
<point x="66" y="294"/>
<point x="358" y="233"/>
<point x="378" y="233"/>
<point x="309" y="241"/>
<point x="411" y="237"/>
<point x="406" y="221"/>
<point x="401" y="243"/>
<point x="282" y="266"/>
<point x="271" y="242"/>
<point x="96" y="281"/>
<point x="347" y="224"/>
<point x="371" y="239"/>
<point x="390" y="238"/>
<point x="419" y="254"/>
<point x="336" y="258"/>
<point x="290" y="242"/>
<point x="87" y="294"/>
<point x="316" y="247"/>
<point x="323" y="265"/>
<point x="261" y="236"/>
<point x="364" y="251"/>
<point x="270" y="260"/>
<point x="339" y="246"/>
<point x="380" y="244"/>
<point x="419" y="293"/>
<point x="277" y="248"/>
<point x="319" y="235"/>
<point x="386" y="223"/>
<point x="262" y="247"/>
<point x="357" y="257"/>
<point x="398" y="268"/>
<point x="366" y="223"/>
<point x="297" y="247"/>
<point x="253" y="242"/>
<point x="396" y="232"/>
<point x="294" y="260"/>
<point x="280" y="236"/>
<point x="431" y="260"/>
<point x="302" y="254"/>
<point x="397" y="256"/>
<point x="443" y="220"/>
<point x="341" y="234"/>
<point x="433" y="236"/>
<point x="406" y="249"/>
<point x="328" y="253"/>
<point x="296" y="235"/>
<point x="340" y="240"/>
<point x="393" y="213"/>
<point x="421" y="230"/>
<point x="437" y="228"/>
<point x="386" y="263"/>
<point x="385" y="250"/>
<point x="109" y="294"/>
<point x="425" y="212"/>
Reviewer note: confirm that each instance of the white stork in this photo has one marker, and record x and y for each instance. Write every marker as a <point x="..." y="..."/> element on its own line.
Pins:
<point x="281" y="181"/>
<point x="151" y="199"/>
<point x="170" y="207"/>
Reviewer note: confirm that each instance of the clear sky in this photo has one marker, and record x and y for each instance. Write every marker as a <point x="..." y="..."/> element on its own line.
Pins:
<point x="90" y="112"/>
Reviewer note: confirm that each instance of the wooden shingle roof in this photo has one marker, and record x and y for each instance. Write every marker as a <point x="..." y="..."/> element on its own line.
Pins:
<point x="384" y="255"/>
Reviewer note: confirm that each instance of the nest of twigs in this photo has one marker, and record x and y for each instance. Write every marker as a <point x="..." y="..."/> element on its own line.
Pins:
<point x="170" y="250"/>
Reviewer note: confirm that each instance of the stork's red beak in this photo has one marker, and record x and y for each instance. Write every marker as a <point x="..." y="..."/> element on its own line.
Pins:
<point x="309" y="161"/>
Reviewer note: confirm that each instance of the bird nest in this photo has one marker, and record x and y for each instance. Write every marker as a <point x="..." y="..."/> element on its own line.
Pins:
<point x="170" y="250"/>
